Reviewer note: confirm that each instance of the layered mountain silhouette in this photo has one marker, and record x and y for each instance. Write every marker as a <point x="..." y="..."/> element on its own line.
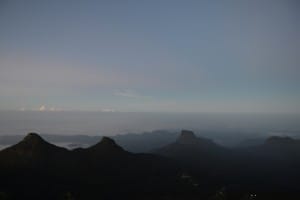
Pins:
<point x="189" y="168"/>
<point x="272" y="166"/>
<point x="98" y="171"/>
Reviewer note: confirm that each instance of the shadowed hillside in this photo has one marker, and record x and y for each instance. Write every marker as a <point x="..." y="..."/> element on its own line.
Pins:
<point x="36" y="169"/>
<point x="189" y="168"/>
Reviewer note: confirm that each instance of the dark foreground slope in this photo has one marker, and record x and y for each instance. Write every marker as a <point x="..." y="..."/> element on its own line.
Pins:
<point x="36" y="169"/>
<point x="190" y="168"/>
<point x="270" y="170"/>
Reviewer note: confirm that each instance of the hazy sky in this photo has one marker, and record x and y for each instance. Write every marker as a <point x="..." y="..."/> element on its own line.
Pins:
<point x="182" y="56"/>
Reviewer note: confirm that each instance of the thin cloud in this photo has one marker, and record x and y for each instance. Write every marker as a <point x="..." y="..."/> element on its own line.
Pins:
<point x="129" y="93"/>
<point x="107" y="110"/>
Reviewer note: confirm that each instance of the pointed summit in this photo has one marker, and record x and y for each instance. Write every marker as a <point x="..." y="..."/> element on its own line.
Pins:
<point x="33" y="142"/>
<point x="187" y="137"/>
<point x="33" y="150"/>
<point x="106" y="146"/>
<point x="189" y="149"/>
<point x="33" y="138"/>
<point x="107" y="141"/>
<point x="187" y="134"/>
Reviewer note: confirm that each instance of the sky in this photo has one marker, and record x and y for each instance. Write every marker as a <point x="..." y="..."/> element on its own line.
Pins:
<point x="150" y="56"/>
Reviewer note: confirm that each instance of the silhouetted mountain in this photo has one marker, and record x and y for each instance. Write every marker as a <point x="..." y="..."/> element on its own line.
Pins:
<point x="189" y="148"/>
<point x="189" y="168"/>
<point x="278" y="149"/>
<point x="200" y="157"/>
<point x="31" y="151"/>
<point x="271" y="166"/>
<point x="44" y="171"/>
<point x="187" y="137"/>
<point x="106" y="146"/>
<point x="146" y="141"/>
<point x="133" y="142"/>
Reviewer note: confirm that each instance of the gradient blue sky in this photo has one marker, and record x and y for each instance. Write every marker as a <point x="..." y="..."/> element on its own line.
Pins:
<point x="173" y="56"/>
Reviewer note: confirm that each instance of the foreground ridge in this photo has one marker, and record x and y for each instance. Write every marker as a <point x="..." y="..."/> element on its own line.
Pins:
<point x="175" y="170"/>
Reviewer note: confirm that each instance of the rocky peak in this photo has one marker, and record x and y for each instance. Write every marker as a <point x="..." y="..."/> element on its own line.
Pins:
<point x="187" y="137"/>
<point x="34" y="146"/>
<point x="106" y="144"/>
<point x="107" y="141"/>
<point x="33" y="138"/>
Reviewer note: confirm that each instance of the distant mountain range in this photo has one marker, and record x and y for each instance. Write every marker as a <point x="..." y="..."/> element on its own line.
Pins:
<point x="146" y="141"/>
<point x="190" y="167"/>
<point x="273" y="165"/>
<point x="134" y="142"/>
<point x="30" y="167"/>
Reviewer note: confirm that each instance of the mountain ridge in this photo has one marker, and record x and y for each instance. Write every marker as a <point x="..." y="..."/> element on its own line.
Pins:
<point x="190" y="166"/>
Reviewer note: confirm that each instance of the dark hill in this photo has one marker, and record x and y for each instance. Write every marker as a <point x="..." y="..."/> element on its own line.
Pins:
<point x="281" y="150"/>
<point x="36" y="169"/>
<point x="272" y="166"/>
<point x="106" y="147"/>
<point x="32" y="151"/>
<point x="189" y="168"/>
<point x="189" y="148"/>
<point x="202" y="158"/>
